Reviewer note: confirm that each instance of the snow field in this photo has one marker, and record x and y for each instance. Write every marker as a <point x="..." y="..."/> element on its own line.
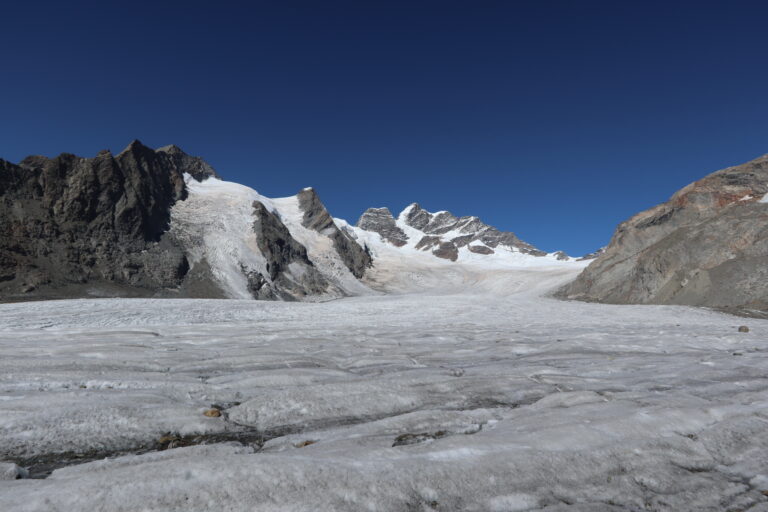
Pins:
<point x="468" y="390"/>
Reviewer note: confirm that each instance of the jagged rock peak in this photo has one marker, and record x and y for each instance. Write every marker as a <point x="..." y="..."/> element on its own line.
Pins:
<point x="176" y="157"/>
<point x="171" y="149"/>
<point x="192" y="165"/>
<point x="462" y="230"/>
<point x="135" y="146"/>
<point x="316" y="217"/>
<point x="73" y="223"/>
<point x="414" y="216"/>
<point x="381" y="221"/>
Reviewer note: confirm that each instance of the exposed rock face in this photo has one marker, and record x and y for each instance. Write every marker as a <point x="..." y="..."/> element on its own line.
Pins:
<point x="447" y="250"/>
<point x="275" y="241"/>
<point x="381" y="221"/>
<point x="706" y="246"/>
<point x="75" y="226"/>
<point x="192" y="165"/>
<point x="428" y="242"/>
<point x="281" y="250"/>
<point x="316" y="217"/>
<point x="480" y="249"/>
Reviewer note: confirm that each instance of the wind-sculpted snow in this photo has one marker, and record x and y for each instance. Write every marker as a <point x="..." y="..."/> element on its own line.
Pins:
<point x="493" y="399"/>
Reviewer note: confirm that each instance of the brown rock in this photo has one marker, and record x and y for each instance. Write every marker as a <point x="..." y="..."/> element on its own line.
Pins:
<point x="212" y="413"/>
<point x="743" y="328"/>
<point x="480" y="249"/>
<point x="447" y="250"/>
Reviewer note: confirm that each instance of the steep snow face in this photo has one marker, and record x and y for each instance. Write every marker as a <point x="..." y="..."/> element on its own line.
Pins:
<point x="215" y="225"/>
<point x="320" y="247"/>
<point x="443" y="235"/>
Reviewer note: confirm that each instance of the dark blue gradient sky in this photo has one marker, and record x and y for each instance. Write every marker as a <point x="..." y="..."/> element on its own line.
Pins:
<point x="556" y="120"/>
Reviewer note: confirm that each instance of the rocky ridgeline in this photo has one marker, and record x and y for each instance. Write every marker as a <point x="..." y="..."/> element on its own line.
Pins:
<point x="443" y="233"/>
<point x="70" y="224"/>
<point x="706" y="246"/>
<point x="316" y="217"/>
<point x="77" y="227"/>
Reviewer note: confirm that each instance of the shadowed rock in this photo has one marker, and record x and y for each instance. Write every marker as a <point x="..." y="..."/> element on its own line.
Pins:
<point x="72" y="226"/>
<point x="281" y="250"/>
<point x="316" y="217"/>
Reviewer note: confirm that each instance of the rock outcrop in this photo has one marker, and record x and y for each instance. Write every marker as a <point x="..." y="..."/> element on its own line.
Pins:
<point x="73" y="226"/>
<point x="706" y="246"/>
<point x="316" y="217"/>
<point x="159" y="223"/>
<point x="280" y="249"/>
<point x="381" y="221"/>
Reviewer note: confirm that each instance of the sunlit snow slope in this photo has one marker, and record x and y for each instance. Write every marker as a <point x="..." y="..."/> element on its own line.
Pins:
<point x="215" y="224"/>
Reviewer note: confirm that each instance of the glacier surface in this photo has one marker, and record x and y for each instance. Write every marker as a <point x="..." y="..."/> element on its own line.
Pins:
<point x="464" y="388"/>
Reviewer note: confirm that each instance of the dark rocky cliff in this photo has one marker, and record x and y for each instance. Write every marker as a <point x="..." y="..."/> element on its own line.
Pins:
<point x="72" y="226"/>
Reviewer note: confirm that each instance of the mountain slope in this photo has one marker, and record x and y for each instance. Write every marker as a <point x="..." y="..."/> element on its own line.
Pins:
<point x="70" y="222"/>
<point x="160" y="223"/>
<point x="706" y="246"/>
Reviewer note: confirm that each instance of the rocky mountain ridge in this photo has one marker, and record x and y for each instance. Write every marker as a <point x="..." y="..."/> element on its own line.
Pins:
<point x="138" y="224"/>
<point x="443" y="234"/>
<point x="706" y="246"/>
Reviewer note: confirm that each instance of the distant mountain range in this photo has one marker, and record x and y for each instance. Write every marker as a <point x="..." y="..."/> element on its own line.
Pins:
<point x="161" y="223"/>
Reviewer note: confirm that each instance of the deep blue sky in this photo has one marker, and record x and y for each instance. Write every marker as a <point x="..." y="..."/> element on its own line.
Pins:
<point x="556" y="120"/>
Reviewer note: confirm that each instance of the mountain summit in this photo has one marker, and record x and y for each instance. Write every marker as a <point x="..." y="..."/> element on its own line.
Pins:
<point x="444" y="235"/>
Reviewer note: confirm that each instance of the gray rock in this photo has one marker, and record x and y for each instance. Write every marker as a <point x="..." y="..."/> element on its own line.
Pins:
<point x="480" y="249"/>
<point x="447" y="250"/>
<point x="381" y="221"/>
<point x="72" y="226"/>
<point x="356" y="258"/>
<point x="281" y="250"/>
<point x="428" y="242"/>
<point x="192" y="165"/>
<point x="706" y="246"/>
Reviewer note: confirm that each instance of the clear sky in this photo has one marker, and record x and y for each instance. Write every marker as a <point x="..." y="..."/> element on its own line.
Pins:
<point x="556" y="120"/>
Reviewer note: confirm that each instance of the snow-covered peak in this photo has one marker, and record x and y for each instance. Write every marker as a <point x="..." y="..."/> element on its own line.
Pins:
<point x="443" y="235"/>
